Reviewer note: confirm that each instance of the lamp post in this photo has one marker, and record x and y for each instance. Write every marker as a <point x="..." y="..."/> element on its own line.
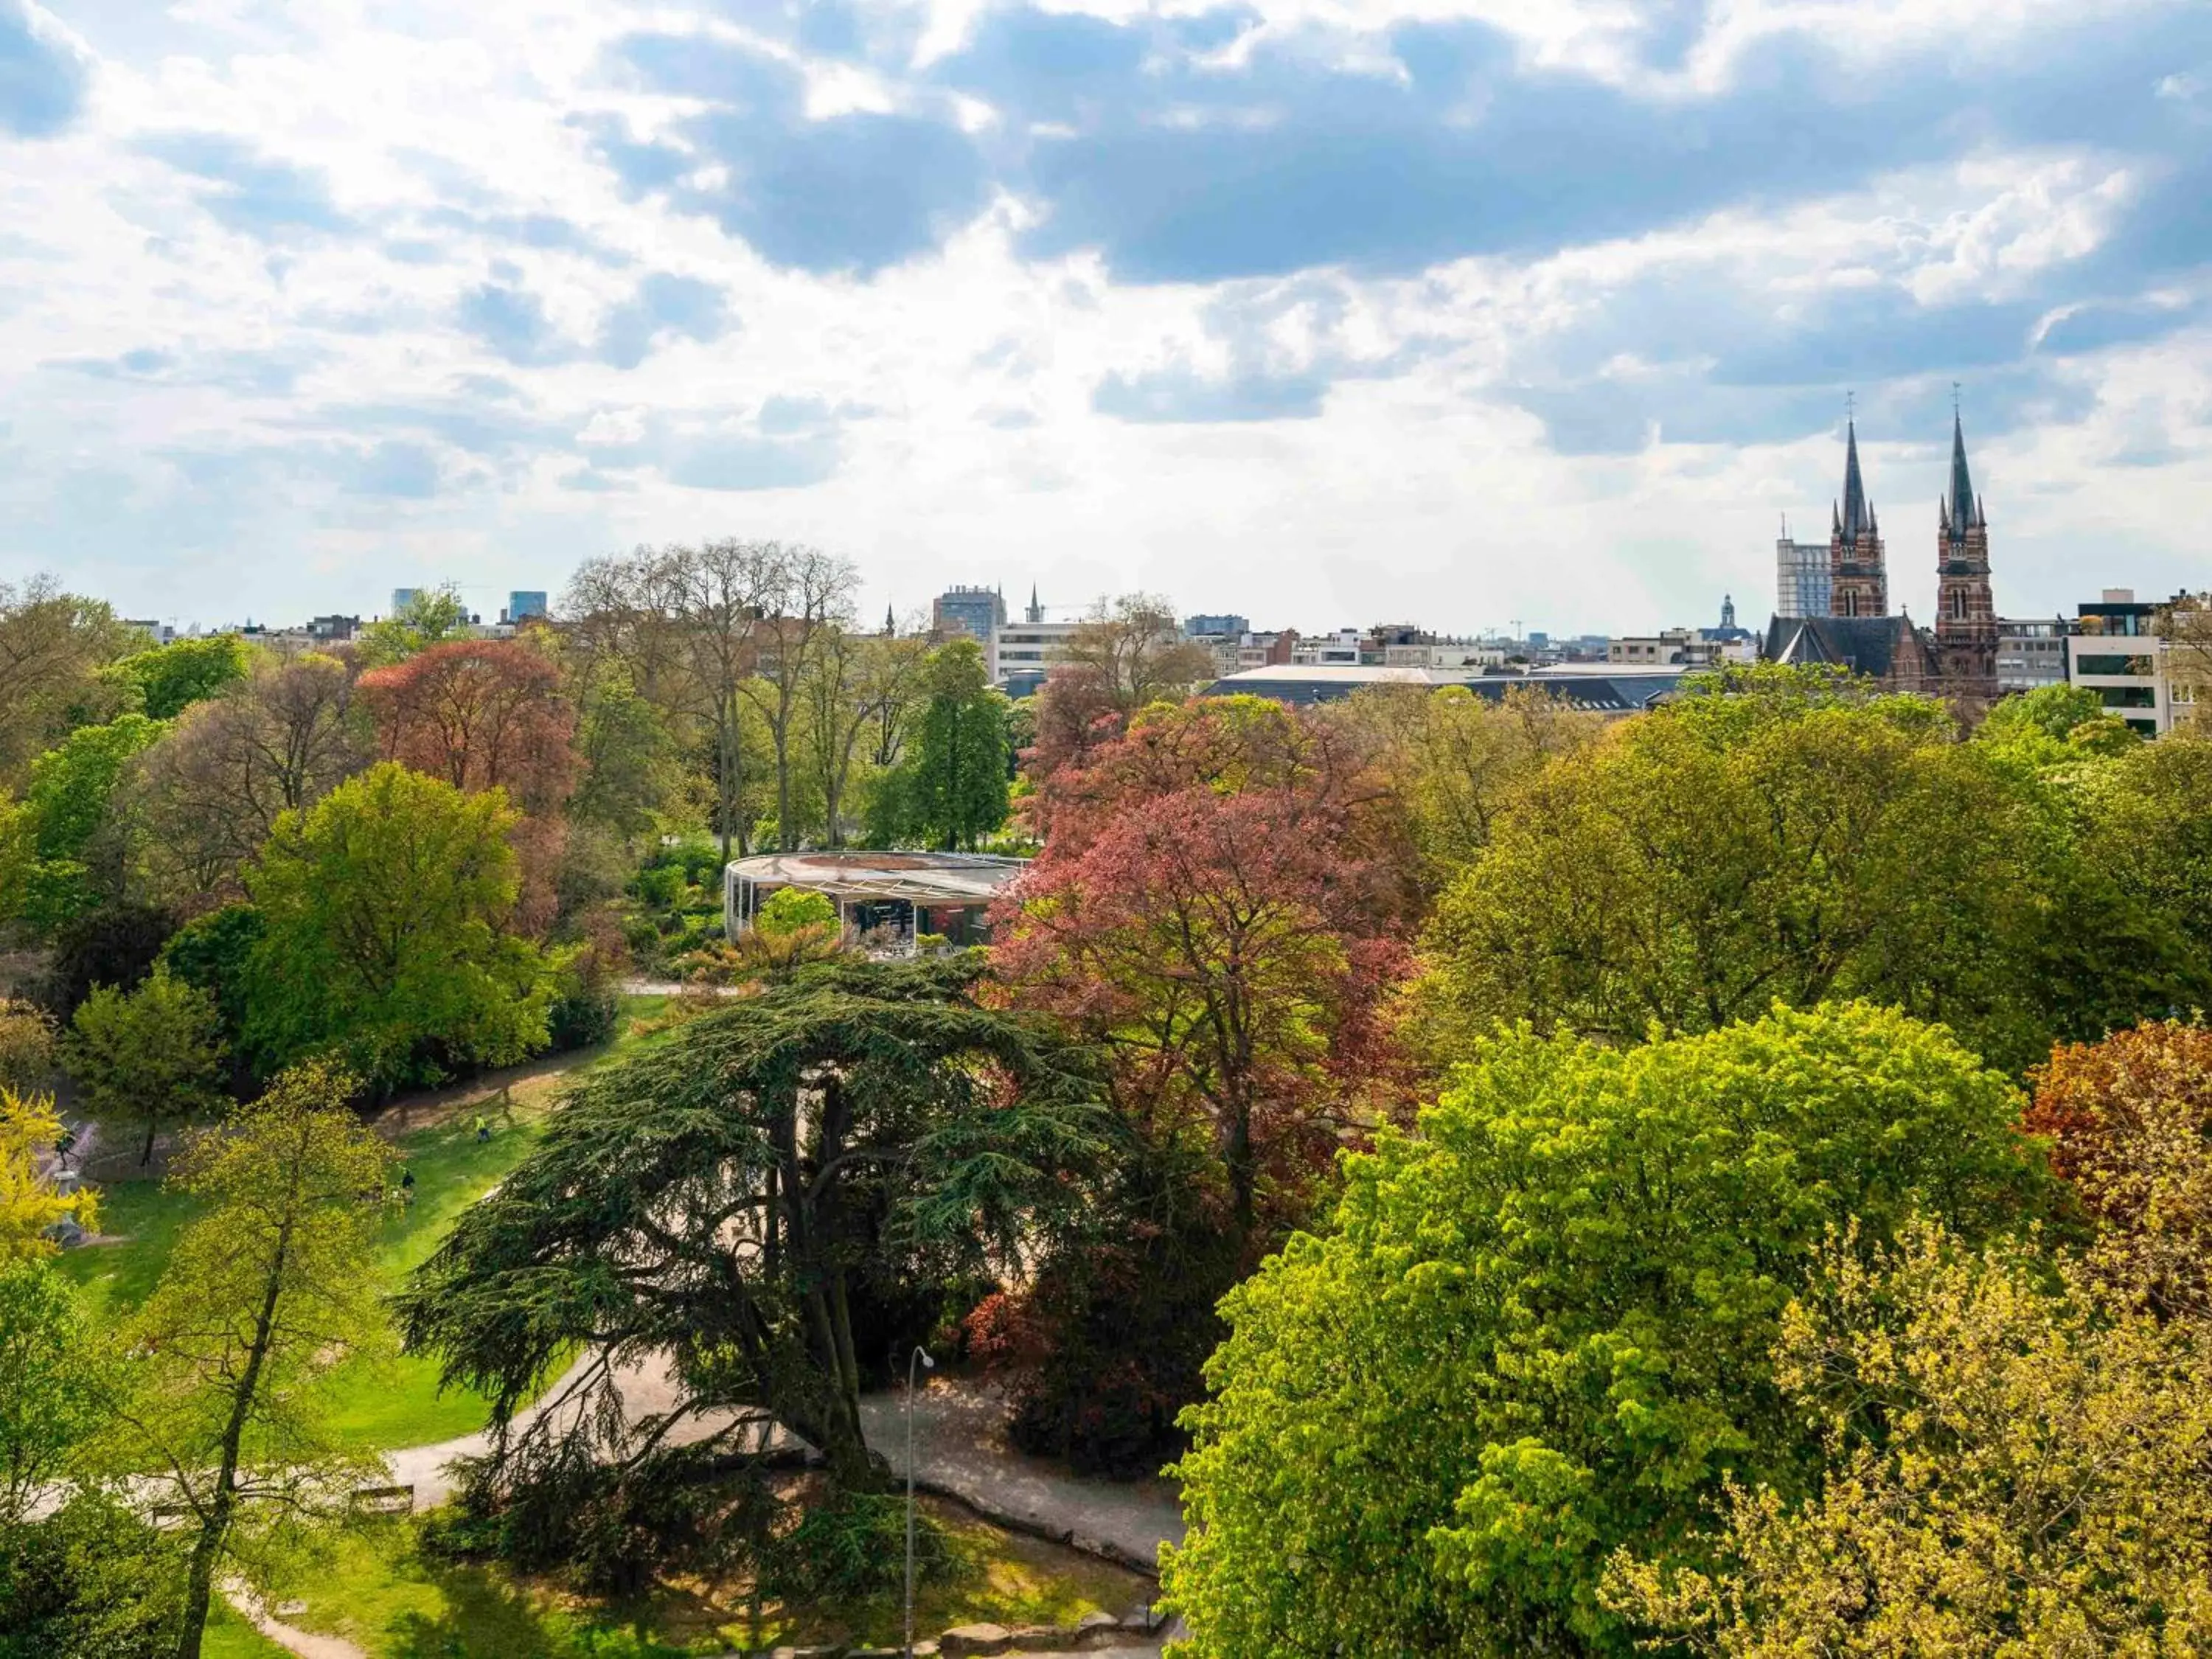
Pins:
<point x="920" y="1356"/>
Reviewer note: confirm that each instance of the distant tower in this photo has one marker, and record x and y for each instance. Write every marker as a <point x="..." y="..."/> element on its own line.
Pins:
<point x="1727" y="610"/>
<point x="1035" y="610"/>
<point x="1858" y="583"/>
<point x="890" y="623"/>
<point x="1966" y="616"/>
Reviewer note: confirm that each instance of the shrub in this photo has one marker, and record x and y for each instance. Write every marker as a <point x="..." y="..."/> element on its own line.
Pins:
<point x="91" y="1582"/>
<point x="787" y="910"/>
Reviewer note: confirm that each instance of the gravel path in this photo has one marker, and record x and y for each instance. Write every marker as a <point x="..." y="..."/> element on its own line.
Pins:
<point x="960" y="1449"/>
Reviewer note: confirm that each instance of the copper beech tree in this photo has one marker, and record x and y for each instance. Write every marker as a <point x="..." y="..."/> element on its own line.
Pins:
<point x="1217" y="904"/>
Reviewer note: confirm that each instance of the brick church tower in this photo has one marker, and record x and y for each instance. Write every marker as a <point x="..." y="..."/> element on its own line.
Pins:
<point x="1859" y="583"/>
<point x="1966" y="616"/>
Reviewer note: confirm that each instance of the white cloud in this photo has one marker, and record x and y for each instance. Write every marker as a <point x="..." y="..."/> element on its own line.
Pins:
<point x="1424" y="485"/>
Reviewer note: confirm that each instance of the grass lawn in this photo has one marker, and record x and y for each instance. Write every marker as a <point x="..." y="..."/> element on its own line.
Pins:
<point x="230" y="1637"/>
<point x="392" y="1402"/>
<point x="382" y="1596"/>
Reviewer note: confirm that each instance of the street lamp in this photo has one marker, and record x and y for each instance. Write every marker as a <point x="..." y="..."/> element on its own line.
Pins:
<point x="920" y="1356"/>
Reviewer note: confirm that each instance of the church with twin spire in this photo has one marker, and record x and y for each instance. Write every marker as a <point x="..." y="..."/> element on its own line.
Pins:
<point x="1957" y="659"/>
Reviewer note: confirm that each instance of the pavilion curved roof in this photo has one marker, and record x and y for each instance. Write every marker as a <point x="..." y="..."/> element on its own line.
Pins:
<point x="916" y="878"/>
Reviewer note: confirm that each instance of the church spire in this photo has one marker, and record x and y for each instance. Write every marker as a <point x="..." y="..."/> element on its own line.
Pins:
<point x="1963" y="511"/>
<point x="1855" y="519"/>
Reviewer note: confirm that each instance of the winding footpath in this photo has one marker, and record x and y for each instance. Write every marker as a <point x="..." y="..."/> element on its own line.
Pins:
<point x="960" y="1452"/>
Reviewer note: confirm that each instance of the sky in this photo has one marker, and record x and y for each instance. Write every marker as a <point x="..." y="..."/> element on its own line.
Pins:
<point x="1472" y="312"/>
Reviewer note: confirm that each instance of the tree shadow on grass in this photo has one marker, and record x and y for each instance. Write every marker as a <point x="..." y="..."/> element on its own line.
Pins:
<point x="487" y="1616"/>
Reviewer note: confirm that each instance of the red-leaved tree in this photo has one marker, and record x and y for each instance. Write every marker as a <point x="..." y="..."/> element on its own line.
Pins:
<point x="486" y="715"/>
<point x="481" y="714"/>
<point x="1220" y="901"/>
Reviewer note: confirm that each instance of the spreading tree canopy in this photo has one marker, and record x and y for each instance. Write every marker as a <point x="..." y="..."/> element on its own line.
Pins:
<point x="720" y="1203"/>
<point x="2016" y="1467"/>
<point x="386" y="911"/>
<point x="1542" y="1330"/>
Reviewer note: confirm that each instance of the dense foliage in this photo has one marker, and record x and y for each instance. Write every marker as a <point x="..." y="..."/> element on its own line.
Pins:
<point x="2009" y="1470"/>
<point x="1539" y="1330"/>
<point x="386" y="911"/>
<point x="1780" y="836"/>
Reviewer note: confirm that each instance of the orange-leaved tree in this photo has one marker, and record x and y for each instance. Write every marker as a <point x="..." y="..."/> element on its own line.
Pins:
<point x="2128" y="1119"/>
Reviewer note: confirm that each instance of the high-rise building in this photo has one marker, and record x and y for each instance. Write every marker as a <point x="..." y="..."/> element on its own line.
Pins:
<point x="402" y="598"/>
<point x="1966" y="616"/>
<point x="525" y="603"/>
<point x="978" y="612"/>
<point x="1801" y="578"/>
<point x="1858" y="576"/>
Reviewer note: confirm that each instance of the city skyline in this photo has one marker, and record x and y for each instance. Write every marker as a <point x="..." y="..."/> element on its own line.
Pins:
<point x="1324" y="312"/>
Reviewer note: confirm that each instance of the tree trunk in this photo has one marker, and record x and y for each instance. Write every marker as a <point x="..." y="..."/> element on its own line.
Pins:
<point x="146" y="1156"/>
<point x="207" y="1549"/>
<point x="1243" y="1177"/>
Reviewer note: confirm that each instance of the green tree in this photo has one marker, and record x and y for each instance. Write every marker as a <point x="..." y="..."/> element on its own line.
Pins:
<point x="2056" y="725"/>
<point x="1776" y="834"/>
<point x="385" y="910"/>
<point x="856" y="683"/>
<point x="952" y="788"/>
<point x="264" y="1296"/>
<point x="1455" y="758"/>
<point x="152" y="1055"/>
<point x="51" y="644"/>
<point x="55" y="1381"/>
<point x="214" y="953"/>
<point x="170" y="678"/>
<point x="93" y="1581"/>
<point x="19" y="858"/>
<point x="81" y="842"/>
<point x="431" y="616"/>
<point x="866" y="1127"/>
<point x="631" y="775"/>
<point x="2147" y="829"/>
<point x="1539" y="1331"/>
<point x="28" y="1053"/>
<point x="2012" y="1470"/>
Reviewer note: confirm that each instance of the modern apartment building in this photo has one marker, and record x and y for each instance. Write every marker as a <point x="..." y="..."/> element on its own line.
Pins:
<point x="1025" y="652"/>
<point x="2115" y="652"/>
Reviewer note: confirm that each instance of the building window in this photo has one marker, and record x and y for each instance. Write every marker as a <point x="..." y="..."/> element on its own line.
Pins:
<point x="2134" y="667"/>
<point x="1958" y="604"/>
